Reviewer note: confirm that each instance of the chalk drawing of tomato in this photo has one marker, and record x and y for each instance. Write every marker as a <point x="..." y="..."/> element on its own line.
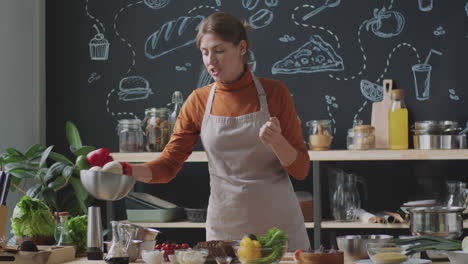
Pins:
<point x="386" y="23"/>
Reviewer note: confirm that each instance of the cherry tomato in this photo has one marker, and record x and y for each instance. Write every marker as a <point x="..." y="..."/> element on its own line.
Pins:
<point x="178" y="246"/>
<point x="185" y="245"/>
<point x="158" y="246"/>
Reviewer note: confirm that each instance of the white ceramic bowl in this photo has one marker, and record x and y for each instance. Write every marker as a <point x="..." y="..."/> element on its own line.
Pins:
<point x="457" y="257"/>
<point x="105" y="185"/>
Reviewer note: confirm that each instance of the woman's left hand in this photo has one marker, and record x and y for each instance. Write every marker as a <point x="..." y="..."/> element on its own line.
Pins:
<point x="270" y="132"/>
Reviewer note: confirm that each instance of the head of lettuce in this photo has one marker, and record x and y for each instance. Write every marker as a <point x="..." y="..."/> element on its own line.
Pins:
<point x="32" y="219"/>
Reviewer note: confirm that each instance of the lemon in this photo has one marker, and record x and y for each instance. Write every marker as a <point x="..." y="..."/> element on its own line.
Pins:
<point x="246" y="242"/>
<point x="465" y="244"/>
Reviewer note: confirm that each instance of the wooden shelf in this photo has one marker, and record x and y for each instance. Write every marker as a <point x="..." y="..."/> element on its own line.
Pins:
<point x="329" y="155"/>
<point x="385" y="154"/>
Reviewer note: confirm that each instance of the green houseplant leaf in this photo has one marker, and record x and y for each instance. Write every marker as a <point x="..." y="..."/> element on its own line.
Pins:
<point x="80" y="192"/>
<point x="59" y="157"/>
<point x="44" y="156"/>
<point x="83" y="150"/>
<point x="73" y="136"/>
<point x="32" y="150"/>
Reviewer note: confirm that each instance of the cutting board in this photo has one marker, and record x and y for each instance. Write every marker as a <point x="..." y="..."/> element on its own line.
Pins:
<point x="57" y="255"/>
<point x="379" y="119"/>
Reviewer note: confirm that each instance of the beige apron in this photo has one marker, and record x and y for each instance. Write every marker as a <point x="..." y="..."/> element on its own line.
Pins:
<point x="250" y="190"/>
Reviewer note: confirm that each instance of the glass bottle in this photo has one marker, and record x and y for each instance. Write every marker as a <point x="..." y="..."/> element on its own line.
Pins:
<point x="63" y="233"/>
<point x="118" y="251"/>
<point x="130" y="135"/>
<point x="398" y="121"/>
<point x="456" y="193"/>
<point x="157" y="128"/>
<point x="177" y="101"/>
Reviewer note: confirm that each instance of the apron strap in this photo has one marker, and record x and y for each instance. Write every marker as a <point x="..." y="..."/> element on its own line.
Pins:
<point x="209" y="102"/>
<point x="261" y="95"/>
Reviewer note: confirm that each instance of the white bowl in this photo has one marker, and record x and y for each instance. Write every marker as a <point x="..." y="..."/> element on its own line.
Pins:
<point x="105" y="185"/>
<point x="457" y="257"/>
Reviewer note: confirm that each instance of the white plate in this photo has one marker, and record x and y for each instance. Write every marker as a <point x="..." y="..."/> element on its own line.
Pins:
<point x="409" y="261"/>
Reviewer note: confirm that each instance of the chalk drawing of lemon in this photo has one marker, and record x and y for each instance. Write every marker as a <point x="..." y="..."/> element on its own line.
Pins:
<point x="371" y="91"/>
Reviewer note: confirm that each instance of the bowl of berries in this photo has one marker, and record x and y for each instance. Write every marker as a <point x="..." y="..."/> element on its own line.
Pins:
<point x="169" y="248"/>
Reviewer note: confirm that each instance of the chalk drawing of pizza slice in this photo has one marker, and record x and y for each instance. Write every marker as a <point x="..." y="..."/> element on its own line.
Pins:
<point x="316" y="55"/>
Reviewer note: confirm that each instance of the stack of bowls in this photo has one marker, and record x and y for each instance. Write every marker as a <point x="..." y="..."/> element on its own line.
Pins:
<point x="432" y="134"/>
<point x="354" y="246"/>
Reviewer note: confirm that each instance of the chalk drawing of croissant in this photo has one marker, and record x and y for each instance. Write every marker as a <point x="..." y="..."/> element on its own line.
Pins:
<point x="174" y="34"/>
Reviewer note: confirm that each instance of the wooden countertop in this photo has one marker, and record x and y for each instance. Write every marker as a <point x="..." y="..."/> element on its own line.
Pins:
<point x="86" y="261"/>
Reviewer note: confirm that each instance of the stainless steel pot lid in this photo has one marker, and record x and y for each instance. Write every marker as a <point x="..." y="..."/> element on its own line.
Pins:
<point x="435" y="125"/>
<point x="436" y="209"/>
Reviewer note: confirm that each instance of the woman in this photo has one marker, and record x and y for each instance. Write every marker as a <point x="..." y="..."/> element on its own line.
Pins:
<point x="251" y="135"/>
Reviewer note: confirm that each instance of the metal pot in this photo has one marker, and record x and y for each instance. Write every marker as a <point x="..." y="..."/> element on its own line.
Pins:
<point x="439" y="141"/>
<point x="440" y="221"/>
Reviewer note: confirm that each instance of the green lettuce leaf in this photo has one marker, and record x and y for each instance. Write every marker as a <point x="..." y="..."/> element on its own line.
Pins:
<point x="32" y="218"/>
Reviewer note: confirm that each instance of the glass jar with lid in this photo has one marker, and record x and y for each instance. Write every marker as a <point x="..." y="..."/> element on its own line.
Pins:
<point x="320" y="134"/>
<point x="157" y="128"/>
<point x="364" y="137"/>
<point x="130" y="135"/>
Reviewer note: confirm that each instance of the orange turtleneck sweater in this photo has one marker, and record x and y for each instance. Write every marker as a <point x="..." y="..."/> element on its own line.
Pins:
<point x="233" y="99"/>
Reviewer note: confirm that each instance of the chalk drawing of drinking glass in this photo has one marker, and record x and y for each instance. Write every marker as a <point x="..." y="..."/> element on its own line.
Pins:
<point x="425" y="5"/>
<point x="422" y="77"/>
<point x="98" y="46"/>
<point x="134" y="88"/>
<point x="156" y="4"/>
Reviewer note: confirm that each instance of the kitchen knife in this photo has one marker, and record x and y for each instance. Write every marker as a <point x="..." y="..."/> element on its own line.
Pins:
<point x="2" y="183"/>
<point x="6" y="187"/>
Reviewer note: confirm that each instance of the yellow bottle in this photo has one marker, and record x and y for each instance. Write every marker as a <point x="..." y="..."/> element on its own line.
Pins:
<point x="398" y="121"/>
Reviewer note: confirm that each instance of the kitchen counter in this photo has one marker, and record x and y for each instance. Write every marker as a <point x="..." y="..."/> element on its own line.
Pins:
<point x="86" y="261"/>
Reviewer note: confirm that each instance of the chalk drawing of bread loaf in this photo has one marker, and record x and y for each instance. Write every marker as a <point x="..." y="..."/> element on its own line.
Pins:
<point x="174" y="34"/>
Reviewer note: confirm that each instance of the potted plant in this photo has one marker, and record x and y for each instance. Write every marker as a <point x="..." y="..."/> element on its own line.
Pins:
<point x="58" y="185"/>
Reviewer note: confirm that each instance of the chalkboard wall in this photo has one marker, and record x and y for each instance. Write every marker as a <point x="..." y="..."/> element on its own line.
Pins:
<point x="420" y="44"/>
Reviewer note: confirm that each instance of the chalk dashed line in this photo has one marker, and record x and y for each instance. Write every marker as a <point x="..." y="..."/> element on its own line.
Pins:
<point x="94" y="18"/>
<point x="293" y="17"/>
<point x="390" y="55"/>
<point x="119" y="113"/>
<point x="363" y="57"/>
<point x="202" y="6"/>
<point x="332" y="118"/>
<point x="121" y="38"/>
<point x="360" y="110"/>
<point x="391" y="5"/>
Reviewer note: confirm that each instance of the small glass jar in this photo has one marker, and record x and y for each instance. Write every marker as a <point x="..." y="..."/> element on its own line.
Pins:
<point x="320" y="134"/>
<point x="157" y="128"/>
<point x="130" y="135"/>
<point x="364" y="137"/>
<point x="350" y="136"/>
